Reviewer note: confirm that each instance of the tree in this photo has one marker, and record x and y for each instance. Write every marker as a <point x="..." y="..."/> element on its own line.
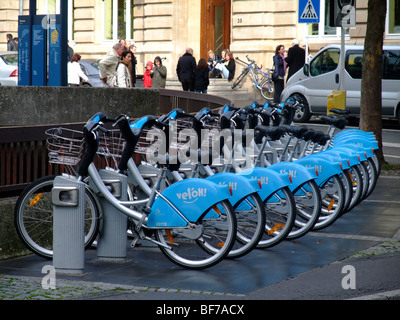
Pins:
<point x="371" y="82"/>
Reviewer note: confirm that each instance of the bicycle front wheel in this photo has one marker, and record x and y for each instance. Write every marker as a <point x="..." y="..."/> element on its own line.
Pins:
<point x="308" y="205"/>
<point x="240" y="78"/>
<point x="33" y="217"/>
<point x="203" y="244"/>
<point x="250" y="216"/>
<point x="267" y="90"/>
<point x="280" y="211"/>
<point x="333" y="200"/>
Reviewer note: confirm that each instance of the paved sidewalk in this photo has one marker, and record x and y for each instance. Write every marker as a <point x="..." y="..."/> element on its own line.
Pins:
<point x="366" y="238"/>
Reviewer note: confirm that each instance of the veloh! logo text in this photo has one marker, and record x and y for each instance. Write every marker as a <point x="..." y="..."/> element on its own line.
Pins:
<point x="192" y="194"/>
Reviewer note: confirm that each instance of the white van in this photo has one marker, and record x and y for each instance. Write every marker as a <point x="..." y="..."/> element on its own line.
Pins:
<point x="316" y="80"/>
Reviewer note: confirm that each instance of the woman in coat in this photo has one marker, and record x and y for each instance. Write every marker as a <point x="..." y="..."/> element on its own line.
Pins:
<point x="201" y="80"/>
<point x="123" y="73"/>
<point x="159" y="74"/>
<point x="279" y="72"/>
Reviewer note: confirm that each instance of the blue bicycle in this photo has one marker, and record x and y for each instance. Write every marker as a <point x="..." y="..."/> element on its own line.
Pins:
<point x="262" y="80"/>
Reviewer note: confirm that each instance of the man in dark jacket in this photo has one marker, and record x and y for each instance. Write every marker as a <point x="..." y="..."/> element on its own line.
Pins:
<point x="295" y="59"/>
<point x="185" y="70"/>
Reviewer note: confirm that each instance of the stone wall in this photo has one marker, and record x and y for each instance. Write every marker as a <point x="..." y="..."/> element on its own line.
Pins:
<point x="22" y="106"/>
<point x="10" y="245"/>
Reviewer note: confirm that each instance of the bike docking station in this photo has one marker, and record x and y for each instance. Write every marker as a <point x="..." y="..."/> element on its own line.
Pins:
<point x="68" y="198"/>
<point x="111" y="241"/>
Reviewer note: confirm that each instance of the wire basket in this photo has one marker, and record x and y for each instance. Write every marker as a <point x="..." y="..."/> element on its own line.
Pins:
<point x="111" y="144"/>
<point x="65" y="145"/>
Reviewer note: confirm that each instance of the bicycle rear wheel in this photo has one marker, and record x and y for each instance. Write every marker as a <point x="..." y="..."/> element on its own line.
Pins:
<point x="33" y="217"/>
<point x="240" y="78"/>
<point x="203" y="245"/>
<point x="267" y="90"/>
<point x="280" y="211"/>
<point x="308" y="205"/>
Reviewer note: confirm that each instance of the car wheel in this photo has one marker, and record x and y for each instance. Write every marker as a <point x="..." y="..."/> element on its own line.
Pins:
<point x="303" y="112"/>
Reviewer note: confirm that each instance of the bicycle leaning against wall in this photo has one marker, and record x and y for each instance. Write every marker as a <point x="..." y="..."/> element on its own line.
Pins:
<point x="262" y="80"/>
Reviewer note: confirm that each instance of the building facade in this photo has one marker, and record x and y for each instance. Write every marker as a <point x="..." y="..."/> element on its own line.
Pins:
<point x="166" y="28"/>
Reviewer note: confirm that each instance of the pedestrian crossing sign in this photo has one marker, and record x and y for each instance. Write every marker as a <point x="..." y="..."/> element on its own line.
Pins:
<point x="309" y="11"/>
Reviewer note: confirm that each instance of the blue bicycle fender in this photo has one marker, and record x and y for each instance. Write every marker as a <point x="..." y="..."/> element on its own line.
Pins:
<point x="344" y="164"/>
<point x="351" y="158"/>
<point x="192" y="197"/>
<point x="362" y="152"/>
<point x="326" y="169"/>
<point x="240" y="186"/>
<point x="356" y="141"/>
<point x="270" y="180"/>
<point x="355" y="132"/>
<point x="298" y="173"/>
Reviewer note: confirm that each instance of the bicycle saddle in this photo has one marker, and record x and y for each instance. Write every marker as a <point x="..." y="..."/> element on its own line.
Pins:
<point x="340" y="111"/>
<point x="274" y="133"/>
<point x="324" y="139"/>
<point x="308" y="134"/>
<point x="318" y="135"/>
<point x="295" y="131"/>
<point x="339" y="123"/>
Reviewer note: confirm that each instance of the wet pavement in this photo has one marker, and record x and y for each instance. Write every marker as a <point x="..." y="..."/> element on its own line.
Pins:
<point x="307" y="268"/>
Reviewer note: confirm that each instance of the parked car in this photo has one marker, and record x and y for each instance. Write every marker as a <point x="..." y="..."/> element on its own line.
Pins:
<point x="90" y="67"/>
<point x="316" y="80"/>
<point x="9" y="68"/>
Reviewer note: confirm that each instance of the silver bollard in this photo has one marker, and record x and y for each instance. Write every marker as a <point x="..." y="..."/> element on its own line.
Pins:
<point x="112" y="239"/>
<point x="68" y="198"/>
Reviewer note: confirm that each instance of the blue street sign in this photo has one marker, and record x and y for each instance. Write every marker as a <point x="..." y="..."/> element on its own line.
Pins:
<point x="309" y="11"/>
<point x="24" y="50"/>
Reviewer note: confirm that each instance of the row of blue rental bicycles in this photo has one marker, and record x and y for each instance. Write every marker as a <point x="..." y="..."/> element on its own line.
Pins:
<point x="209" y="186"/>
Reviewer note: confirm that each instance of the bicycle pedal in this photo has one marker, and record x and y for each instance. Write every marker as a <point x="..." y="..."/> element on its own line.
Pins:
<point x="134" y="241"/>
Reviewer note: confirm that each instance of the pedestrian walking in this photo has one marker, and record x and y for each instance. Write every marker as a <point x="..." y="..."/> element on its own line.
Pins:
<point x="279" y="72"/>
<point x="185" y="70"/>
<point x="108" y="65"/>
<point x="159" y="74"/>
<point x="123" y="73"/>
<point x="201" y="78"/>
<point x="75" y="73"/>
<point x="295" y="59"/>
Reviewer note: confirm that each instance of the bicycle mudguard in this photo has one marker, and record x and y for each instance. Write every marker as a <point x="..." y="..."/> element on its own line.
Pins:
<point x="191" y="197"/>
<point x="298" y="173"/>
<point x="355" y="132"/>
<point x="344" y="164"/>
<point x="270" y="180"/>
<point x="240" y="186"/>
<point x="363" y="152"/>
<point x="342" y="155"/>
<point x="363" y="142"/>
<point x="325" y="168"/>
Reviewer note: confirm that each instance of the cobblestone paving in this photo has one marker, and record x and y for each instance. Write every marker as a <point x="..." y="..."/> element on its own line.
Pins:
<point x="31" y="288"/>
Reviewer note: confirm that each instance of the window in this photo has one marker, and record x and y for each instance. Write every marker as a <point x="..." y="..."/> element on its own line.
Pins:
<point x="393" y="17"/>
<point x="391" y="64"/>
<point x="326" y="61"/>
<point x="322" y="29"/>
<point x="117" y="19"/>
<point x="353" y="64"/>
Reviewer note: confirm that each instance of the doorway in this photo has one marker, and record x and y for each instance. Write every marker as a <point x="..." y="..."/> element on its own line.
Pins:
<point x="215" y="26"/>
